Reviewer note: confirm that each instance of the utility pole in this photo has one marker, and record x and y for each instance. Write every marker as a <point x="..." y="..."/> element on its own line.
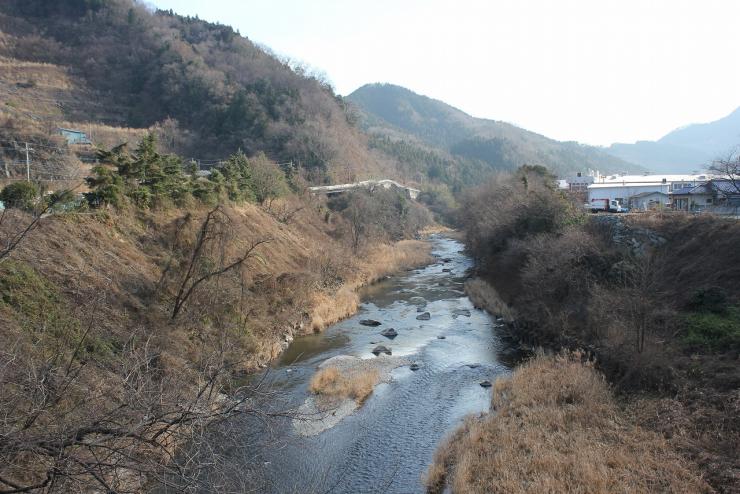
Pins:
<point x="28" y="165"/>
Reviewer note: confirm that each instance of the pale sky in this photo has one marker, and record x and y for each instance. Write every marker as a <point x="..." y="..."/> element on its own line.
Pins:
<point x="594" y="71"/>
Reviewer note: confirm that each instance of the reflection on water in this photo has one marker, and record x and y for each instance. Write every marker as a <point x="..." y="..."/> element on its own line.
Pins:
<point x="306" y="347"/>
<point x="389" y="442"/>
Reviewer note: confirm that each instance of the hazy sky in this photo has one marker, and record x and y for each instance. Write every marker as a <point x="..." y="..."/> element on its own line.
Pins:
<point x="595" y="71"/>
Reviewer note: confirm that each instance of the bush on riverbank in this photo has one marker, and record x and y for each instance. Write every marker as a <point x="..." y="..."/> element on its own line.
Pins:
<point x="379" y="215"/>
<point x="652" y="297"/>
<point x="555" y="427"/>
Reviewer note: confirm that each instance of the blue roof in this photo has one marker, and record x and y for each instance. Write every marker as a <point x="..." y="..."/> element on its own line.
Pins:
<point x="74" y="136"/>
<point x="722" y="186"/>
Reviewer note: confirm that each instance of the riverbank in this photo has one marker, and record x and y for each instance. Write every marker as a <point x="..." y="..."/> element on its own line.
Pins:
<point x="149" y="320"/>
<point x="371" y="265"/>
<point x="556" y="427"/>
<point x="652" y="300"/>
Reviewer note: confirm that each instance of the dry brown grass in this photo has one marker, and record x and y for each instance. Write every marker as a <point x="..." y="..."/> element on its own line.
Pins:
<point x="484" y="296"/>
<point x="43" y="74"/>
<point x="384" y="259"/>
<point x="331" y="383"/>
<point x="377" y="261"/>
<point x="108" y="136"/>
<point x="437" y="228"/>
<point x="331" y="308"/>
<point x="557" y="428"/>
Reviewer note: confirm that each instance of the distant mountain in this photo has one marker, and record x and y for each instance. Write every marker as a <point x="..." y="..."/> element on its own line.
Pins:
<point x="685" y="149"/>
<point x="478" y="145"/>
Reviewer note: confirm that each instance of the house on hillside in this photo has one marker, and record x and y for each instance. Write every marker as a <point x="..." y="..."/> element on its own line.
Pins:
<point x="74" y="136"/>
<point x="711" y="195"/>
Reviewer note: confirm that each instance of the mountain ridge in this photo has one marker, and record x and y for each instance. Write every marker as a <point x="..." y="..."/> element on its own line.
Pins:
<point x="390" y="109"/>
<point x="687" y="148"/>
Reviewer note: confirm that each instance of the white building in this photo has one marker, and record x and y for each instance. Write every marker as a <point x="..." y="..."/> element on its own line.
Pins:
<point x="581" y="181"/>
<point x="623" y="187"/>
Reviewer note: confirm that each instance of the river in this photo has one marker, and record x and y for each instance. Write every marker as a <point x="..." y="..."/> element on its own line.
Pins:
<point x="389" y="442"/>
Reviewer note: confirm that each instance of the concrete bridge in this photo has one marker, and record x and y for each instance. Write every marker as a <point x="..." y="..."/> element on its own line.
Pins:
<point x="366" y="184"/>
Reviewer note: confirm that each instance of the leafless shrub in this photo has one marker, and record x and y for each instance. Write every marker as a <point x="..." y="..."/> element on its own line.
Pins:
<point x="207" y="258"/>
<point x="74" y="420"/>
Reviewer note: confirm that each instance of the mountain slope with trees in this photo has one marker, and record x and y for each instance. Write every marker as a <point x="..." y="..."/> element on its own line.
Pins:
<point x="478" y="146"/>
<point x="213" y="91"/>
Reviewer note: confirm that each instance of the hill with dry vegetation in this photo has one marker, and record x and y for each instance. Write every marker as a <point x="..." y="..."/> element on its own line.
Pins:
<point x="129" y="329"/>
<point x="117" y="68"/>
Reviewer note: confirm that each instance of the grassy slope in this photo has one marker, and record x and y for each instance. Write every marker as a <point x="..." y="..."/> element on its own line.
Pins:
<point x="302" y="270"/>
<point x="557" y="428"/>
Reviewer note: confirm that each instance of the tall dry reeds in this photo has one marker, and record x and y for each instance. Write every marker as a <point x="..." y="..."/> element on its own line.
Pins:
<point x="484" y="296"/>
<point x="375" y="262"/>
<point x="555" y="427"/>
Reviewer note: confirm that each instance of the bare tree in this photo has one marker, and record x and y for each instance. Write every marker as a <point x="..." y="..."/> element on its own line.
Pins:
<point x="641" y="281"/>
<point x="200" y="266"/>
<point x="729" y="169"/>
<point x="72" y="422"/>
<point x="15" y="226"/>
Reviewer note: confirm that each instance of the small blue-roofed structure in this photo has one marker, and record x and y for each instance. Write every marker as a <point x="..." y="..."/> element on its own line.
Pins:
<point x="74" y="136"/>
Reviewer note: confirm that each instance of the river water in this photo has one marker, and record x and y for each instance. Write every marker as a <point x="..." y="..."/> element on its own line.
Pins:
<point x="388" y="443"/>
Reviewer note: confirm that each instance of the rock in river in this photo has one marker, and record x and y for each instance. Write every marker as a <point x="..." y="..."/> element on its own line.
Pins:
<point x="485" y="384"/>
<point x="381" y="349"/>
<point x="414" y="366"/>
<point x="369" y="322"/>
<point x="424" y="317"/>
<point x="389" y="333"/>
<point x="460" y="312"/>
<point x="445" y="270"/>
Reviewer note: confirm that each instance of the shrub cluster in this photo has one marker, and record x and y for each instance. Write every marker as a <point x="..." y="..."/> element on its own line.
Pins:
<point x="379" y="214"/>
<point x="147" y="178"/>
<point x="513" y="207"/>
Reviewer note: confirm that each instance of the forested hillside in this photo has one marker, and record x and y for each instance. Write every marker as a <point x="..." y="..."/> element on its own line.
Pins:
<point x="209" y="90"/>
<point x="475" y="146"/>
